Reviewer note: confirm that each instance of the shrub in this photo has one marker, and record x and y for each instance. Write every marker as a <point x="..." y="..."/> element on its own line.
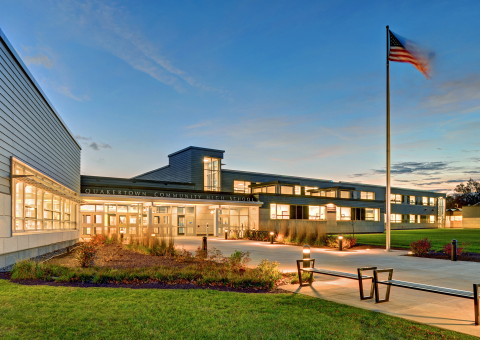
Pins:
<point x="447" y="249"/>
<point x="98" y="240"/>
<point x="421" y="247"/>
<point x="85" y="255"/>
<point x="26" y="270"/>
<point x="238" y="260"/>
<point x="348" y="242"/>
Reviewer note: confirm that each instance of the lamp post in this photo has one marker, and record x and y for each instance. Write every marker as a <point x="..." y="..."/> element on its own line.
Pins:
<point x="340" y="243"/>
<point x="271" y="237"/>
<point x="306" y="256"/>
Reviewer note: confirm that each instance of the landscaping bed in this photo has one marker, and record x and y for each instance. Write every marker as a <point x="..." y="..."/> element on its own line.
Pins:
<point x="147" y="263"/>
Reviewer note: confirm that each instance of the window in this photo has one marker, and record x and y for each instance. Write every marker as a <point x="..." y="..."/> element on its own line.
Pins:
<point x="412" y="218"/>
<point x="279" y="211"/>
<point x="122" y="219"/>
<point x="211" y="174"/>
<point x="156" y="220"/>
<point x="122" y="209"/>
<point x="316" y="212"/>
<point x="396" y="199"/>
<point x="133" y="220"/>
<point x="298" y="190"/>
<point x="371" y="214"/>
<point x="411" y="200"/>
<point x="98" y="218"/>
<point x="241" y="187"/>
<point x="345" y="194"/>
<point x="133" y="209"/>
<point x="367" y="195"/>
<point x="344" y="214"/>
<point x="431" y="219"/>
<point x="431" y="201"/>
<point x="395" y="218"/>
<point x="310" y="188"/>
<point x="269" y="190"/>
<point x="286" y="190"/>
<point x="424" y="200"/>
<point x="329" y="193"/>
<point x="87" y="219"/>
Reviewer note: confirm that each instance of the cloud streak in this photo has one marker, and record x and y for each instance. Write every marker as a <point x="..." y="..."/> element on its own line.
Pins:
<point x="108" y="26"/>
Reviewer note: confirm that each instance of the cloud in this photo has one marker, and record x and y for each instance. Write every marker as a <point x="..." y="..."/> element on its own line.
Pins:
<point x="97" y="146"/>
<point x="66" y="91"/>
<point x="39" y="59"/>
<point x="107" y="26"/>
<point x="455" y="95"/>
<point x="421" y="168"/>
<point x="92" y="145"/>
<point x="472" y="172"/>
<point x="198" y="125"/>
<point x="470" y="150"/>
<point x="79" y="137"/>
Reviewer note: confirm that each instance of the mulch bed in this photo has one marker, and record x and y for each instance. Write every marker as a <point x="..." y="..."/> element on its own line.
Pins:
<point x="7" y="276"/>
<point x="122" y="258"/>
<point x="471" y="257"/>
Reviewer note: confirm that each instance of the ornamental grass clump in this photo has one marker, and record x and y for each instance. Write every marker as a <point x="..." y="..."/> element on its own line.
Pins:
<point x="347" y="243"/>
<point x="421" y="247"/>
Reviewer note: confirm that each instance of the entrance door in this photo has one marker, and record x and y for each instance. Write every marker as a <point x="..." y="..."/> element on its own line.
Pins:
<point x="181" y="225"/>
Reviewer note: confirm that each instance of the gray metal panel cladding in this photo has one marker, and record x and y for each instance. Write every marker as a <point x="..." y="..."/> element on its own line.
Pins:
<point x="30" y="129"/>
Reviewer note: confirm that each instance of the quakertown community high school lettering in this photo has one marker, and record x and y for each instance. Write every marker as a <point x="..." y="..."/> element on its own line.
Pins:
<point x="167" y="195"/>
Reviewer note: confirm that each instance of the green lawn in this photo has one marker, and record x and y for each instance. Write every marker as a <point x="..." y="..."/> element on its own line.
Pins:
<point x="439" y="237"/>
<point x="43" y="312"/>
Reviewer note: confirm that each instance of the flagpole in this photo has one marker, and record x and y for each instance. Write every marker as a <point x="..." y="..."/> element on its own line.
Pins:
<point x="387" y="195"/>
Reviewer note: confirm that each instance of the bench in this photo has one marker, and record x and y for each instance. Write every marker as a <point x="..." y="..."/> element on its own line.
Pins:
<point x="358" y="276"/>
<point x="423" y="287"/>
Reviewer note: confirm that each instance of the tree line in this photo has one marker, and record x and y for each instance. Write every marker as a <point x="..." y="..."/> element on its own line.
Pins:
<point x="464" y="194"/>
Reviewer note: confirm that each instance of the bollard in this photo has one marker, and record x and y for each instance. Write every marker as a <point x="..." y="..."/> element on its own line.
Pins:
<point x="204" y="244"/>
<point x="306" y="256"/>
<point x="454" y="250"/>
<point x="340" y="243"/>
<point x="226" y="234"/>
<point x="271" y="237"/>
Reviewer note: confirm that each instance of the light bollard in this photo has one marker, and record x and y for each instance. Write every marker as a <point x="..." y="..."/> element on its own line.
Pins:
<point x="340" y="243"/>
<point x="306" y="256"/>
<point x="271" y="237"/>
<point x="454" y="250"/>
<point x="226" y="234"/>
<point x="204" y="244"/>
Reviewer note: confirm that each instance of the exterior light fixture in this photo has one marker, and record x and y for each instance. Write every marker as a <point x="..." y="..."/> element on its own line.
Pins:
<point x="306" y="256"/>
<point x="153" y="234"/>
<point x="271" y="237"/>
<point x="340" y="243"/>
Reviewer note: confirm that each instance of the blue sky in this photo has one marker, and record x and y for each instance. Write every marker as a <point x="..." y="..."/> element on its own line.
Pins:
<point x="295" y="88"/>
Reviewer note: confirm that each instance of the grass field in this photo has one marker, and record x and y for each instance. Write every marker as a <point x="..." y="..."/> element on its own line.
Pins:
<point x="41" y="312"/>
<point x="439" y="237"/>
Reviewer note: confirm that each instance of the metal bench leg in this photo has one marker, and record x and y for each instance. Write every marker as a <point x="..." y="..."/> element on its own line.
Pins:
<point x="360" y="283"/>
<point x="475" y="302"/>
<point x="377" y="291"/>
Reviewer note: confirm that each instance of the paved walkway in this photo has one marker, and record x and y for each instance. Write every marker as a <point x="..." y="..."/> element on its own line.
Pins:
<point x="432" y="309"/>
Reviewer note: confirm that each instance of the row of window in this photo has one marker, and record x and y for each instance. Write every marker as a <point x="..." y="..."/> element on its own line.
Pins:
<point x="312" y="212"/>
<point x="399" y="218"/>
<point x="454" y="218"/>
<point x="37" y="209"/>
<point x="412" y="200"/>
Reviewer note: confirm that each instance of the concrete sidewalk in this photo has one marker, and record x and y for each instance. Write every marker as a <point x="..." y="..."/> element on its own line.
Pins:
<point x="433" y="309"/>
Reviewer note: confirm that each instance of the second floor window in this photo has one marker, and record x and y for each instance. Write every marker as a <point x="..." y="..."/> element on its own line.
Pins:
<point x="396" y="199"/>
<point x="211" y="174"/>
<point x="411" y="200"/>
<point x="241" y="187"/>
<point x="367" y="195"/>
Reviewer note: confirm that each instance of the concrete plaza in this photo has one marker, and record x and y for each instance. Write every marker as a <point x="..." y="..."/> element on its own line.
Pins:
<point x="433" y="309"/>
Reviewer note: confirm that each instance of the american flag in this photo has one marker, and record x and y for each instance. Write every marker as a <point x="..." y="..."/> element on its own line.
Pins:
<point x="405" y="52"/>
